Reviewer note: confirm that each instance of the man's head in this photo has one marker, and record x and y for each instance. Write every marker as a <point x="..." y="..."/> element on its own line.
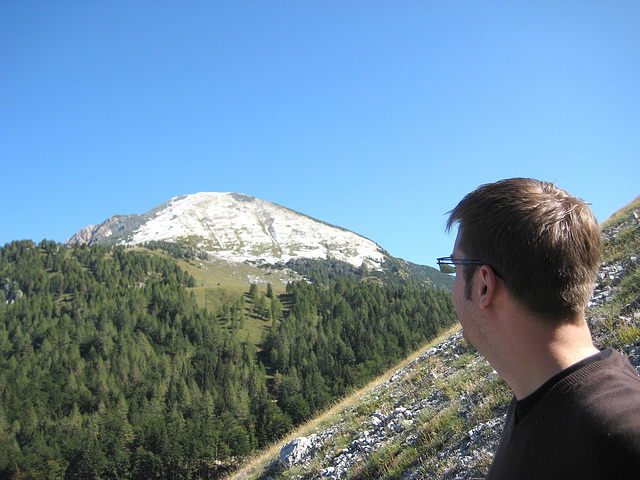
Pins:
<point x="542" y="242"/>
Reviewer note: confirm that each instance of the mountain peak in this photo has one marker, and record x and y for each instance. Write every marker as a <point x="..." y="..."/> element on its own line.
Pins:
<point x="236" y="227"/>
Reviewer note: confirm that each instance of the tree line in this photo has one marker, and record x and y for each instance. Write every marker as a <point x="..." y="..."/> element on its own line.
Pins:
<point x="110" y="369"/>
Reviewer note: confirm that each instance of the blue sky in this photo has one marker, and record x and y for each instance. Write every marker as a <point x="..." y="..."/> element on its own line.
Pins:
<point x="374" y="116"/>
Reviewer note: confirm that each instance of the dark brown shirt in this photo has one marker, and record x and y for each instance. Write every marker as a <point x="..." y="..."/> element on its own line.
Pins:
<point x="584" y="423"/>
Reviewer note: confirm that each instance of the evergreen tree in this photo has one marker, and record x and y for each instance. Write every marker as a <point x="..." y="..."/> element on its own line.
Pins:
<point x="109" y="369"/>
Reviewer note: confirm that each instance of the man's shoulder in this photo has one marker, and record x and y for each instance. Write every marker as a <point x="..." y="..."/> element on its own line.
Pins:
<point x="606" y="395"/>
<point x="614" y="369"/>
<point x="599" y="381"/>
<point x="602" y="395"/>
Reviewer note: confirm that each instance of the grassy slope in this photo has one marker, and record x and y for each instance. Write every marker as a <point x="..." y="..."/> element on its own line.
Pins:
<point x="221" y="283"/>
<point x="619" y="216"/>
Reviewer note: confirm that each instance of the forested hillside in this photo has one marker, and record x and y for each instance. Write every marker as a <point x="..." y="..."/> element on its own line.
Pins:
<point x="342" y="336"/>
<point x="110" y="369"/>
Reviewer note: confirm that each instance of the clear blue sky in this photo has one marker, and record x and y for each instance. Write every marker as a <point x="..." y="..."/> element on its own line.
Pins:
<point x="374" y="116"/>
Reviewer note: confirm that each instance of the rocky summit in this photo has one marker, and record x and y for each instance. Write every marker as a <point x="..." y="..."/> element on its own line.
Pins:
<point x="236" y="228"/>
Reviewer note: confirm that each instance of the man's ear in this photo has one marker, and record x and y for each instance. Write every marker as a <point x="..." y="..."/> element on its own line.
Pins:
<point x="486" y="286"/>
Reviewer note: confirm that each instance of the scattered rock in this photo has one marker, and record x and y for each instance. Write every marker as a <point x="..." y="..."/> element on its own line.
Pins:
<point x="295" y="451"/>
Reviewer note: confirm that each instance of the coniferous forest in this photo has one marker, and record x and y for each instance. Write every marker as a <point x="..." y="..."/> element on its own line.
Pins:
<point x="109" y="369"/>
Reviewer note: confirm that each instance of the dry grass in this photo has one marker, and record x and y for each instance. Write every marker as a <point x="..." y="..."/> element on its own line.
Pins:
<point x="619" y="216"/>
<point x="255" y="465"/>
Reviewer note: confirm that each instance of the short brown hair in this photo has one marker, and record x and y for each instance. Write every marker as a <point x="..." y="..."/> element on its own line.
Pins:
<point x="544" y="243"/>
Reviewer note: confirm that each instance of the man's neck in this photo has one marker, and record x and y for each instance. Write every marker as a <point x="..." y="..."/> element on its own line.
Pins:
<point x="532" y="351"/>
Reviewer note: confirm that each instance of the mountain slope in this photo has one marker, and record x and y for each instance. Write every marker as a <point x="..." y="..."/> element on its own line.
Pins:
<point x="238" y="228"/>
